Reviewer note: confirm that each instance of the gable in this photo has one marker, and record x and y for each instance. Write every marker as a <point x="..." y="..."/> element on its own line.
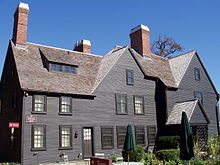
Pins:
<point x="194" y="112"/>
<point x="115" y="79"/>
<point x="204" y="85"/>
<point x="198" y="116"/>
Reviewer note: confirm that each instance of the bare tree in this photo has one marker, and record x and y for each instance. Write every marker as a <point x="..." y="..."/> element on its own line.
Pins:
<point x="164" y="46"/>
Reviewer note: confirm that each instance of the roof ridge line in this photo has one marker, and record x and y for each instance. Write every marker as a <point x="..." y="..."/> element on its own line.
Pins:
<point x="182" y="54"/>
<point x="64" y="49"/>
<point x="187" y="100"/>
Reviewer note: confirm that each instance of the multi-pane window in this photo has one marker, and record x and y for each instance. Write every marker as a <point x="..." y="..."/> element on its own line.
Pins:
<point x="87" y="134"/>
<point x="130" y="77"/>
<point x="197" y="73"/>
<point x="152" y="133"/>
<point x="65" y="104"/>
<point x="198" y="95"/>
<point x="107" y="137"/>
<point x="65" y="137"/>
<point x="39" y="103"/>
<point x="121" y="104"/>
<point x="39" y="137"/>
<point x="138" y="104"/>
<point x="55" y="67"/>
<point x="121" y="133"/>
<point x="140" y="135"/>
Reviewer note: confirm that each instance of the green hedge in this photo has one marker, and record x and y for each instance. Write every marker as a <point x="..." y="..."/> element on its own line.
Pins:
<point x="167" y="142"/>
<point x="168" y="154"/>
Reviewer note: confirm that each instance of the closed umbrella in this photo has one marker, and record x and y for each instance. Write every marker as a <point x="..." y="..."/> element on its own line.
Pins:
<point x="186" y="140"/>
<point x="129" y="141"/>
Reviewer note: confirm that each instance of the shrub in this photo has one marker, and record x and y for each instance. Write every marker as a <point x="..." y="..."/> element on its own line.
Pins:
<point x="168" y="154"/>
<point x="134" y="156"/>
<point x="213" y="146"/>
<point x="114" y="157"/>
<point x="150" y="159"/>
<point x="167" y="142"/>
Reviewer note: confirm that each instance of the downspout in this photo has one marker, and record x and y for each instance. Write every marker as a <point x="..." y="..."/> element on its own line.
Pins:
<point x="217" y="116"/>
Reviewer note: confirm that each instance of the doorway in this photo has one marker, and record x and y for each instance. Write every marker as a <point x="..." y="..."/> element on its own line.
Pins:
<point x="87" y="142"/>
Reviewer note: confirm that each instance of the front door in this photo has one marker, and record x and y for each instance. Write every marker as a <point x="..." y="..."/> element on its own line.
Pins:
<point x="87" y="142"/>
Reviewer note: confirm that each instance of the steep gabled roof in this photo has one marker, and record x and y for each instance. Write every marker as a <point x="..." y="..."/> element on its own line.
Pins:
<point x="188" y="107"/>
<point x="107" y="63"/>
<point x="179" y="65"/>
<point x="33" y="75"/>
<point x="156" y="66"/>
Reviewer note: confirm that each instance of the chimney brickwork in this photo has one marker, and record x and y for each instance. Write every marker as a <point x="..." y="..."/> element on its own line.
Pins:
<point x="83" y="46"/>
<point x="140" y="40"/>
<point x="20" y="24"/>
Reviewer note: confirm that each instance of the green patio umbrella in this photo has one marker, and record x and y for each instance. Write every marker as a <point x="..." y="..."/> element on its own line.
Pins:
<point x="186" y="140"/>
<point x="129" y="141"/>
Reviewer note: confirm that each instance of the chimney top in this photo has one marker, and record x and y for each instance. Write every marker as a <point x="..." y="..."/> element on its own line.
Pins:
<point x="23" y="5"/>
<point x="83" y="42"/>
<point x="139" y="27"/>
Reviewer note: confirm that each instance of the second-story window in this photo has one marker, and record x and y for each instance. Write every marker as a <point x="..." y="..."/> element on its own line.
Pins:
<point x="197" y="74"/>
<point x="138" y="104"/>
<point x="39" y="103"/>
<point x="198" y="95"/>
<point x="130" y="77"/>
<point x="121" y="104"/>
<point x="65" y="105"/>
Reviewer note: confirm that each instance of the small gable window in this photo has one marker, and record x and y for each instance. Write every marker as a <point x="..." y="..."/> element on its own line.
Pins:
<point x="138" y="104"/>
<point x="198" y="95"/>
<point x="197" y="74"/>
<point x="121" y="104"/>
<point x="130" y="77"/>
<point x="39" y="103"/>
<point x="65" y="105"/>
<point x="55" y="67"/>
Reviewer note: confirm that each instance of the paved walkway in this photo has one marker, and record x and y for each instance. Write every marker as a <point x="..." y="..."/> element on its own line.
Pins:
<point x="82" y="162"/>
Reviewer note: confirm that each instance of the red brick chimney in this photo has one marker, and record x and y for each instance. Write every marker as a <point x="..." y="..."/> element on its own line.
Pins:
<point x="83" y="46"/>
<point x="20" y="24"/>
<point x="140" y="40"/>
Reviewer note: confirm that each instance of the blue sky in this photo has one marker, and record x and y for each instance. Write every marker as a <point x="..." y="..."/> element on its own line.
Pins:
<point x="192" y="23"/>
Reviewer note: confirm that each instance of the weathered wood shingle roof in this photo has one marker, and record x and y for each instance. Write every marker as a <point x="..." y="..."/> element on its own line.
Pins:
<point x="187" y="106"/>
<point x="33" y="75"/>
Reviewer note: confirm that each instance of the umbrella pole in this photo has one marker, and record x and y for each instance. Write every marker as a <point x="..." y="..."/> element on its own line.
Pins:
<point x="128" y="157"/>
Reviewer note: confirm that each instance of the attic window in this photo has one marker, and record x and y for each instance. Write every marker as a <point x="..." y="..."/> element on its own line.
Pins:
<point x="55" y="67"/>
<point x="197" y="73"/>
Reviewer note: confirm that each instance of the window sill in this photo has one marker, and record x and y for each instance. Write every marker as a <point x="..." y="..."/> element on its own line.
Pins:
<point x="108" y="148"/>
<point x="65" y="148"/>
<point x="40" y="113"/>
<point x="65" y="113"/>
<point x="38" y="149"/>
<point x="139" y="113"/>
